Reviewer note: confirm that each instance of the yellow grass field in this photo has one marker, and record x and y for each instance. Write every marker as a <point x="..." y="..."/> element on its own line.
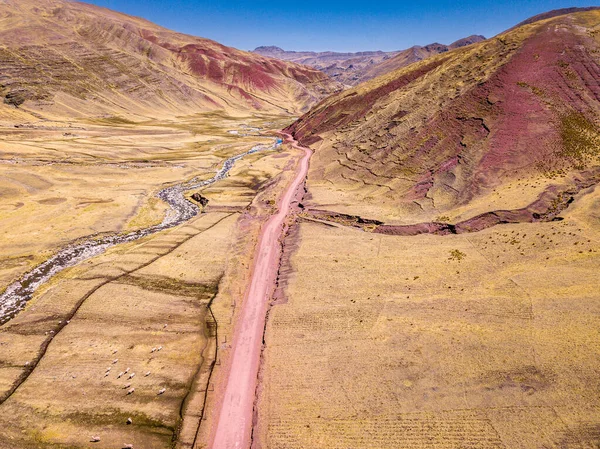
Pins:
<point x="397" y="342"/>
<point x="149" y="294"/>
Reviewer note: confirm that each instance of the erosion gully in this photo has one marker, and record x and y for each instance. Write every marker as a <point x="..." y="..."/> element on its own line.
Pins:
<point x="16" y="295"/>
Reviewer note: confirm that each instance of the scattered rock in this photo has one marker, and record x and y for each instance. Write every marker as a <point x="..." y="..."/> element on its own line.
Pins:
<point x="200" y="199"/>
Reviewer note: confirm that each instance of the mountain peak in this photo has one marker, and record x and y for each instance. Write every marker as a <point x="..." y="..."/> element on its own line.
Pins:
<point x="353" y="68"/>
<point x="268" y="49"/>
<point x="555" y="13"/>
<point x="474" y="38"/>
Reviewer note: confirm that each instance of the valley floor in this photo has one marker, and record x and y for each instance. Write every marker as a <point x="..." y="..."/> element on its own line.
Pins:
<point x="122" y="347"/>
<point x="480" y="340"/>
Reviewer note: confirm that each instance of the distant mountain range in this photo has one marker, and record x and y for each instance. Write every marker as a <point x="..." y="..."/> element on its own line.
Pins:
<point x="353" y="68"/>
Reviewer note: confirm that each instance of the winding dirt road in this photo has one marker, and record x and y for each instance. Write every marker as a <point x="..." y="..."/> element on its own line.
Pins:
<point x="234" y="426"/>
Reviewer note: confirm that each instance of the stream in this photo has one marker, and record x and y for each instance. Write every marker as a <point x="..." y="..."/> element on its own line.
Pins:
<point x="16" y="295"/>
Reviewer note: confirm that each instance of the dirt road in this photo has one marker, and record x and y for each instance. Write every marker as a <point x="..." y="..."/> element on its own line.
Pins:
<point x="234" y="427"/>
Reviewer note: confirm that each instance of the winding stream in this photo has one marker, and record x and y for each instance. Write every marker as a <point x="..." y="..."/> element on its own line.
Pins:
<point x="17" y="294"/>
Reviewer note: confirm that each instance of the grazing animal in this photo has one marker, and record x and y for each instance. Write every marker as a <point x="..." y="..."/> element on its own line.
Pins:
<point x="120" y="374"/>
<point x="147" y="374"/>
<point x="128" y="446"/>
<point x="129" y="421"/>
<point x="95" y="439"/>
<point x="130" y="391"/>
<point x="127" y="370"/>
<point x="153" y="350"/>
<point x="115" y="361"/>
<point x="159" y="348"/>
<point x="131" y="376"/>
<point x="162" y="390"/>
<point x="126" y="386"/>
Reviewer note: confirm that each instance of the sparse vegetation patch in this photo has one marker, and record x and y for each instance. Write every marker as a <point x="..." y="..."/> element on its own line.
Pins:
<point x="580" y="140"/>
<point x="457" y="255"/>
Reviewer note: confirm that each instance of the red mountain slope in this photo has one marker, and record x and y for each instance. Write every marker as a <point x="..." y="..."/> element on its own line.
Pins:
<point x="72" y="59"/>
<point x="440" y="132"/>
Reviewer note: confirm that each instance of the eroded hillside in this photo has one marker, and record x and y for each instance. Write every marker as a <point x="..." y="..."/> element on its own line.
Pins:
<point x="69" y="59"/>
<point x="475" y="121"/>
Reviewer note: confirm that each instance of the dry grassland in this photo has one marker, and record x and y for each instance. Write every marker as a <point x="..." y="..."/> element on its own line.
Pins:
<point x="137" y="300"/>
<point x="56" y="390"/>
<point x="483" y="340"/>
<point x="63" y="181"/>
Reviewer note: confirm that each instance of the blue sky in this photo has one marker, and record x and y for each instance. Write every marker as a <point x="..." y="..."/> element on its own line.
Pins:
<point x="333" y="24"/>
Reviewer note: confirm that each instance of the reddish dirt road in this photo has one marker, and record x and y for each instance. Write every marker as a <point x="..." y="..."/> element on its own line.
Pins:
<point x="234" y="427"/>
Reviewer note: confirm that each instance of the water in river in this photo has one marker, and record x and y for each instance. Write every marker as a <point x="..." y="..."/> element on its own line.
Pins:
<point x="181" y="210"/>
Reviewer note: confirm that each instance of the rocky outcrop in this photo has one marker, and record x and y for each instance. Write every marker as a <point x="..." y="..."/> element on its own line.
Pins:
<point x="202" y="200"/>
